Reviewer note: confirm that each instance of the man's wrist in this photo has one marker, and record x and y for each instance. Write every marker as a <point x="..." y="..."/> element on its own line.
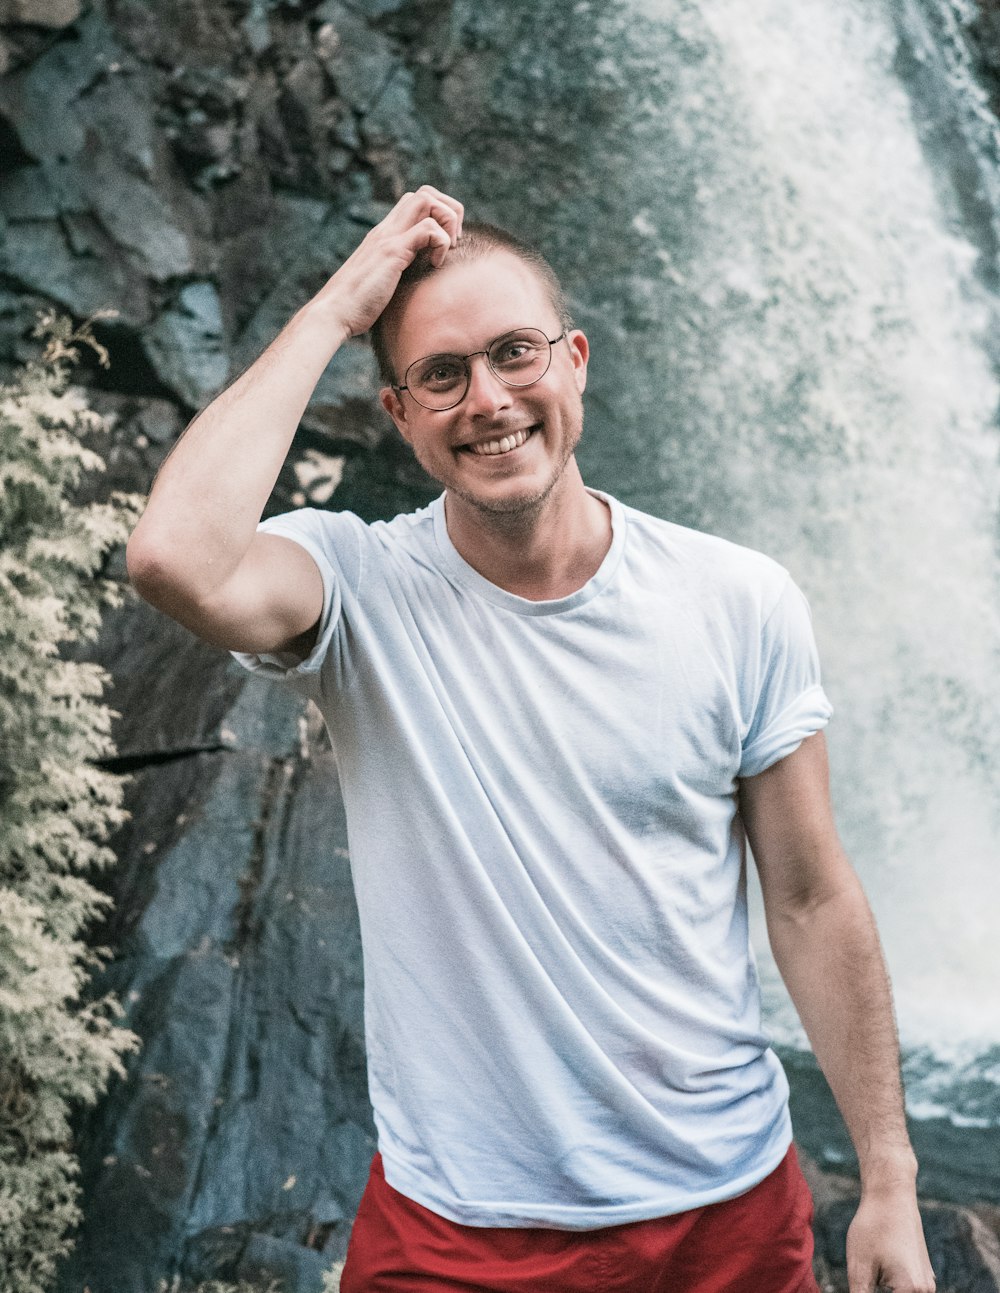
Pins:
<point x="888" y="1170"/>
<point x="321" y="320"/>
<point x="329" y="316"/>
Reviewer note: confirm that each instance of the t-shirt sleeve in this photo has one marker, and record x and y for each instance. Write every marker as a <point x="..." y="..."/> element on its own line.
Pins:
<point x="790" y="702"/>
<point x="332" y="541"/>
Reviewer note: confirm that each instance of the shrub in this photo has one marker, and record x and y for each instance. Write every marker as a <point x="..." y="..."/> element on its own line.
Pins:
<point x="57" y="805"/>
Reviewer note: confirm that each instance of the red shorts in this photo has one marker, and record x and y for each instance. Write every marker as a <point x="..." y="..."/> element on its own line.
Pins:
<point x="759" y="1242"/>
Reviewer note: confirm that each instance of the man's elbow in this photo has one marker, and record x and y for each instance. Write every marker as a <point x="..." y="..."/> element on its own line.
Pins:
<point x="155" y="574"/>
<point x="146" y="564"/>
<point x="143" y="563"/>
<point x="836" y="903"/>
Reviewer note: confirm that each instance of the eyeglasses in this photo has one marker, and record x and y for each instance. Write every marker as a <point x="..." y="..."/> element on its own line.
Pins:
<point x="518" y="358"/>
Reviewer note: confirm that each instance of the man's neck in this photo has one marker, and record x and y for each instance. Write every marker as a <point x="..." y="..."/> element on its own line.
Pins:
<point x="540" y="554"/>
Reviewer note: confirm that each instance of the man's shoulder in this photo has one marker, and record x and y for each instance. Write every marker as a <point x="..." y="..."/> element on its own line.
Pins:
<point x="405" y="527"/>
<point x="331" y="524"/>
<point x="710" y="559"/>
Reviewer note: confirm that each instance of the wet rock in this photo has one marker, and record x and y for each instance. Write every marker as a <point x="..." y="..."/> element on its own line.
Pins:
<point x="40" y="13"/>
<point x="240" y="969"/>
<point x="186" y="344"/>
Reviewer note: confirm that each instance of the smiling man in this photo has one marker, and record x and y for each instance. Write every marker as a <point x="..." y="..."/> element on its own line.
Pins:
<point x="557" y="722"/>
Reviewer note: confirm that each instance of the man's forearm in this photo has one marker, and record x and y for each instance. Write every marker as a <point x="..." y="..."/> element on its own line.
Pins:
<point x="210" y="494"/>
<point x="831" y="960"/>
<point x="208" y="498"/>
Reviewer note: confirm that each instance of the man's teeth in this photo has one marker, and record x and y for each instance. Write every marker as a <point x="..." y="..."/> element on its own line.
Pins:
<point x="504" y="445"/>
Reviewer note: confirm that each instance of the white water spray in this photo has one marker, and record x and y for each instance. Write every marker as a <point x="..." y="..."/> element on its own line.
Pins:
<point x="856" y="402"/>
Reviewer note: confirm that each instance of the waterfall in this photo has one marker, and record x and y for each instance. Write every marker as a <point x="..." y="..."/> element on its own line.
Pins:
<point x="845" y="257"/>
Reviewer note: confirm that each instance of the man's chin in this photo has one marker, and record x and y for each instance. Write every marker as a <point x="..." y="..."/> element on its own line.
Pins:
<point x="511" y="501"/>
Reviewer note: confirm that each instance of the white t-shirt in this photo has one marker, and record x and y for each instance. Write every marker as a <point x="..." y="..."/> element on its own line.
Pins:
<point x="562" y="1010"/>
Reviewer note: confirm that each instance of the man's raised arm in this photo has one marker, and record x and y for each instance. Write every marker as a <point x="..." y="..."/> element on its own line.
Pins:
<point x="196" y="553"/>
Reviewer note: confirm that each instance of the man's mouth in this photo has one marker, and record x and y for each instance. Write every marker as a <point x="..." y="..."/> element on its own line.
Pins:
<point x="505" y="444"/>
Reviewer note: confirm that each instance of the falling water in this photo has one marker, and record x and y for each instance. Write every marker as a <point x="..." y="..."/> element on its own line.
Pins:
<point x="849" y="274"/>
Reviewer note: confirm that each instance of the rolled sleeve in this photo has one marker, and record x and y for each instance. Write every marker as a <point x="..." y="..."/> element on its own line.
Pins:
<point x="790" y="701"/>
<point x="308" y="528"/>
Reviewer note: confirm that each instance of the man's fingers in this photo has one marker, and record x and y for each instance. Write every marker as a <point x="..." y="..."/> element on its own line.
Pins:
<point x="454" y="211"/>
<point x="448" y="221"/>
<point x="428" y="233"/>
<point x="862" y="1274"/>
<point x="862" y="1281"/>
<point x="428" y="201"/>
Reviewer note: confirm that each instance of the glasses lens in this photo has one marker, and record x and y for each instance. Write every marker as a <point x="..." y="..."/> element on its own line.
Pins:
<point x="520" y="358"/>
<point x="438" y="381"/>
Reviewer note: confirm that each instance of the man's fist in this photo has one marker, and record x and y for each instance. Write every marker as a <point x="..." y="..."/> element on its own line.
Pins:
<point x="361" y="289"/>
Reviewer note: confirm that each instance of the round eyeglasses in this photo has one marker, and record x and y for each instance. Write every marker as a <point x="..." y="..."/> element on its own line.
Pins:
<point x="518" y="358"/>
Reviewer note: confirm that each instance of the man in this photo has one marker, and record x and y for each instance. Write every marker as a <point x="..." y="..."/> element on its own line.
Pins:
<point x="554" y="717"/>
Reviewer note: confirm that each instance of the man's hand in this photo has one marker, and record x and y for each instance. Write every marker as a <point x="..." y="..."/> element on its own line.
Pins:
<point x="361" y="289"/>
<point x="885" y="1245"/>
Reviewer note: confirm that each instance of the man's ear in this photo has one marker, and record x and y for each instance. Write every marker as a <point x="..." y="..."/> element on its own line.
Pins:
<point x="396" y="409"/>
<point x="579" y="353"/>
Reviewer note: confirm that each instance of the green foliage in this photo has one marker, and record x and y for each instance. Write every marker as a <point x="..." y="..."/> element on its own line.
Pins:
<point x="218" y="1286"/>
<point x="331" y="1284"/>
<point x="57" y="808"/>
<point x="331" y="1279"/>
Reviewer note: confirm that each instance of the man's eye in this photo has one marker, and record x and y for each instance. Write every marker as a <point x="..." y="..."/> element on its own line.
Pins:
<point x="441" y="373"/>
<point x="514" y="352"/>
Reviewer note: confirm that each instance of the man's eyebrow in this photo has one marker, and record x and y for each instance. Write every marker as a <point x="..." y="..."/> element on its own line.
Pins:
<point x="497" y="336"/>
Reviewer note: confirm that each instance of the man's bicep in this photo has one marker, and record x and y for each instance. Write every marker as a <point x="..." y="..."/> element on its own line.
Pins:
<point x="789" y="822"/>
<point x="271" y="603"/>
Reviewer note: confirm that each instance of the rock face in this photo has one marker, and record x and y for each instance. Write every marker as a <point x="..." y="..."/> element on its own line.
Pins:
<point x="242" y="1138"/>
<point x="202" y="168"/>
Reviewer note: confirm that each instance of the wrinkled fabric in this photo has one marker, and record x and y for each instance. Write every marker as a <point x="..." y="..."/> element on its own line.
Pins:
<point x="759" y="1242"/>
<point x="562" y="1008"/>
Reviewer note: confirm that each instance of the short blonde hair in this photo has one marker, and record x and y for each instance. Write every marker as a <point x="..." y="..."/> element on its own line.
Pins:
<point x="477" y="241"/>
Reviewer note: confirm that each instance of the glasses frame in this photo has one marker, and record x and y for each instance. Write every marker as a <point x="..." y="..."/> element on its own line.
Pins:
<point x="519" y="386"/>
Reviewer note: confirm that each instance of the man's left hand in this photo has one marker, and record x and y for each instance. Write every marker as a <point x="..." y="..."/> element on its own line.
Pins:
<point x="885" y="1246"/>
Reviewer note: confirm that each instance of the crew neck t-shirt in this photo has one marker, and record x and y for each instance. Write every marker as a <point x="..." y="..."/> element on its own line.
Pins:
<point x="562" y="1009"/>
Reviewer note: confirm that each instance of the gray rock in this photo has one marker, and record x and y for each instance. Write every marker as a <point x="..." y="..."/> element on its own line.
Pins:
<point x="40" y="13"/>
<point x="266" y="1258"/>
<point x="28" y="194"/>
<point x="239" y="962"/>
<point x="256" y="27"/>
<point x="72" y="263"/>
<point x="141" y="222"/>
<point x="42" y="100"/>
<point x="186" y="344"/>
<point x="358" y="59"/>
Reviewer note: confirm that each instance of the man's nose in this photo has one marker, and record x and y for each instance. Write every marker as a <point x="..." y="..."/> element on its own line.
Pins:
<point x="486" y="393"/>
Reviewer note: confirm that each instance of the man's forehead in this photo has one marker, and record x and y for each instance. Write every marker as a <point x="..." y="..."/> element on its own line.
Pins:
<point x="489" y="294"/>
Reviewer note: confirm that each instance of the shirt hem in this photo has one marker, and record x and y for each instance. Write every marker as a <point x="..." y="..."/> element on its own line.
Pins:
<point x="508" y="1215"/>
